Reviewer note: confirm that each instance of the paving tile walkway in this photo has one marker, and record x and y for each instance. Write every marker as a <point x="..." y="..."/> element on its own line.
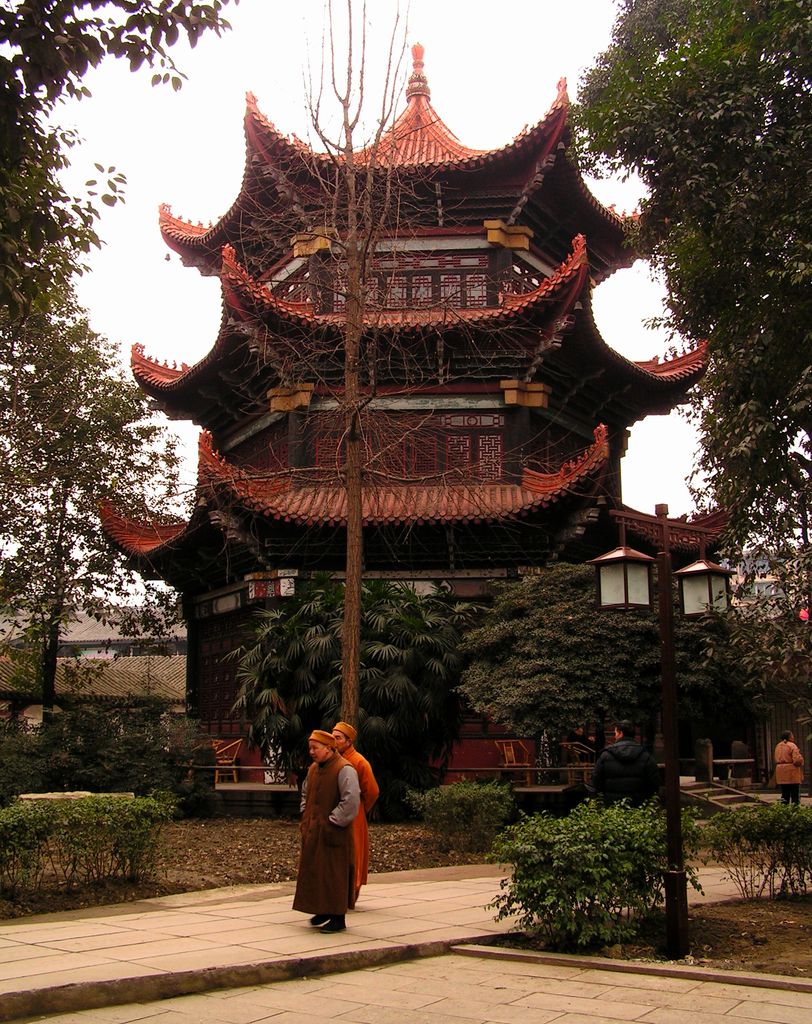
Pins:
<point x="241" y="955"/>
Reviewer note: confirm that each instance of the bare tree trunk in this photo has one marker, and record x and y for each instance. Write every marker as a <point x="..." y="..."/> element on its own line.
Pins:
<point x="53" y="618"/>
<point x="358" y="205"/>
<point x="50" y="647"/>
<point x="351" y="635"/>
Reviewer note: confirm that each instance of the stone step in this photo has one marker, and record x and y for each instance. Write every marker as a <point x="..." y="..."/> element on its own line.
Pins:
<point x="715" y="797"/>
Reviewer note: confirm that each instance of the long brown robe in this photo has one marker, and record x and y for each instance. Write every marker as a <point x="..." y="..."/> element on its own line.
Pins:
<point x="360" y="829"/>
<point x="325" y="882"/>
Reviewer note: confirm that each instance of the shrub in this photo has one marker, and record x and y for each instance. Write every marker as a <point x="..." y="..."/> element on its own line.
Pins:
<point x="766" y="849"/>
<point x="107" y="749"/>
<point x="25" y="830"/>
<point x="108" y="837"/>
<point x="79" y="842"/>
<point x="466" y="815"/>
<point x="591" y="878"/>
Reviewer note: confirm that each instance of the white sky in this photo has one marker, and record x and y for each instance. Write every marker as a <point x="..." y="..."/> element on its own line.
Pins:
<point x="492" y="69"/>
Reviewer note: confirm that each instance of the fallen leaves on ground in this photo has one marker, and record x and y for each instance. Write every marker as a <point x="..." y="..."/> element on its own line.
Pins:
<point x="773" y="936"/>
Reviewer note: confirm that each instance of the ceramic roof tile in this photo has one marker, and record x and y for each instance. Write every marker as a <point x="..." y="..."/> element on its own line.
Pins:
<point x="156" y="677"/>
<point x="419" y="138"/>
<point x="677" y="367"/>
<point x="283" y="498"/>
<point x="135" y="536"/>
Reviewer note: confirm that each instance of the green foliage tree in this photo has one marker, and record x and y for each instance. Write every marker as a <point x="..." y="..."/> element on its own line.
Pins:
<point x="544" y="659"/>
<point x="710" y="103"/>
<point x="768" y="638"/>
<point x="108" y="748"/>
<point x="46" y="49"/>
<point x="290" y="679"/>
<point x="74" y="431"/>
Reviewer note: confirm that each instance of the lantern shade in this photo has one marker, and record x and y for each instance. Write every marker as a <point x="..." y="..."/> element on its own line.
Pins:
<point x="624" y="578"/>
<point x="703" y="587"/>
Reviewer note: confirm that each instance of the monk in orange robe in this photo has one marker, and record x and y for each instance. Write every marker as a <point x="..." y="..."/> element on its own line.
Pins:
<point x="345" y="736"/>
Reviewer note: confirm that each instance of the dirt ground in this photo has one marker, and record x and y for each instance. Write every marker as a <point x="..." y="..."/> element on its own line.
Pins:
<point x="761" y="935"/>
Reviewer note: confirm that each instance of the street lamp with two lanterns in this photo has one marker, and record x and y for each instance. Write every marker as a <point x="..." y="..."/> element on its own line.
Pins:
<point x="624" y="581"/>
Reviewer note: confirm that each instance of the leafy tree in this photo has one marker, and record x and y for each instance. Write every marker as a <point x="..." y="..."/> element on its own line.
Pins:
<point x="105" y="748"/>
<point x="710" y="103"/>
<point x="74" y="431"/>
<point x="46" y="49"/>
<point x="290" y="676"/>
<point x="770" y="638"/>
<point x="543" y="659"/>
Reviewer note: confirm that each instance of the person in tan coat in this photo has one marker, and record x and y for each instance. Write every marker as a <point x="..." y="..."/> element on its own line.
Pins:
<point x="789" y="768"/>
<point x="325" y="881"/>
<point x="345" y="736"/>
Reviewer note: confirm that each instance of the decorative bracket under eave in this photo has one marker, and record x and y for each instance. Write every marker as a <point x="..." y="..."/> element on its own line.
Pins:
<point x="519" y="392"/>
<point x="508" y="236"/>
<point x="307" y="243"/>
<point x="287" y="399"/>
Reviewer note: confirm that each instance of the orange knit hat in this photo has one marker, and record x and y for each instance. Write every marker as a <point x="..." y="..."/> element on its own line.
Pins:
<point x="347" y="729"/>
<point x="320" y="736"/>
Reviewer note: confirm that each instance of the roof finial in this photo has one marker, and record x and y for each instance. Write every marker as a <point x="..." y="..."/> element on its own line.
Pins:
<point x="418" y="83"/>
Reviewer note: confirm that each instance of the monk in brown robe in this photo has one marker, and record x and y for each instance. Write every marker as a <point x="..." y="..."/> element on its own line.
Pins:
<point x="345" y="736"/>
<point x="325" y="882"/>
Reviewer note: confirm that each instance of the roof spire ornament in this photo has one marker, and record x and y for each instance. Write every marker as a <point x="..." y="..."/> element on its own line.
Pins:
<point x="418" y="83"/>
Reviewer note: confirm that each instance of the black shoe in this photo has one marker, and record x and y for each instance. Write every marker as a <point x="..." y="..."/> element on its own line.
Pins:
<point x="335" y="924"/>
<point x="319" y="919"/>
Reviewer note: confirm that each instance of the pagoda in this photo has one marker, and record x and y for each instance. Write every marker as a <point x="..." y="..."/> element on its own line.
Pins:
<point x="494" y="418"/>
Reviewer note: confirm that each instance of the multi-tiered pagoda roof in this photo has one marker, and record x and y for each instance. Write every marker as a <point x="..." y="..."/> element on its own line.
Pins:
<point x="497" y="413"/>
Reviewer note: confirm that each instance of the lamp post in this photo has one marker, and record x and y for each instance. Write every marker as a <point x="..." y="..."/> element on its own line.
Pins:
<point x="621" y="576"/>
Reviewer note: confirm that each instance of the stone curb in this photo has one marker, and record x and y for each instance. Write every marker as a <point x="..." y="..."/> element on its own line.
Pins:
<point x="663" y="970"/>
<point x="91" y="995"/>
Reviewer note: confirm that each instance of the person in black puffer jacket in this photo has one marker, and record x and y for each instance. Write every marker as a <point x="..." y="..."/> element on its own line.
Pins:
<point x="625" y="770"/>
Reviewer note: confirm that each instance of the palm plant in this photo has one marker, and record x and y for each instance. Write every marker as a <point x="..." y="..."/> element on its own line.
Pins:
<point x="409" y="710"/>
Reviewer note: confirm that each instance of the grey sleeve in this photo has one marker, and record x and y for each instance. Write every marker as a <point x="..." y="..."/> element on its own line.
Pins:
<point x="303" y="798"/>
<point x="343" y="814"/>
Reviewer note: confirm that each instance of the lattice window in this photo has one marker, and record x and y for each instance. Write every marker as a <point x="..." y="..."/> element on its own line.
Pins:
<point x="217" y="675"/>
<point x="266" y="451"/>
<point x="390" y="459"/>
<point x="277" y="450"/>
<point x="339" y="294"/>
<point x="489" y="456"/>
<point x="458" y="451"/>
<point x="398" y="292"/>
<point x="326" y="451"/>
<point x="476" y="291"/>
<point x="423" y="455"/>
<point x="404" y="261"/>
<point x="422" y="290"/>
<point x="373" y="286"/>
<point x="450" y="289"/>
